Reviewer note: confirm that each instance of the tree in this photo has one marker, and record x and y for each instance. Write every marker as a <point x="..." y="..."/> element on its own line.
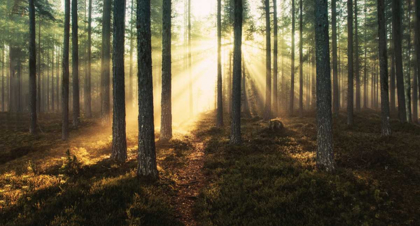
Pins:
<point x="417" y="44"/>
<point x="75" y="65"/>
<point x="32" y="67"/>
<point x="301" y="60"/>
<point x="267" y="111"/>
<point x="235" y="137"/>
<point x="65" y="67"/>
<point x="119" y="140"/>
<point x="105" y="62"/>
<point x="88" y="86"/>
<point x="292" y="78"/>
<point x="336" y="102"/>
<point x="383" y="60"/>
<point x="275" y="66"/>
<point x="350" y="63"/>
<point x="397" y="31"/>
<point x="219" y="122"/>
<point x="166" y="122"/>
<point x="356" y="54"/>
<point x="325" y="156"/>
<point x="147" y="166"/>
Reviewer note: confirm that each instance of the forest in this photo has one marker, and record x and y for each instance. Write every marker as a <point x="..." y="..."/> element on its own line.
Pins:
<point x="210" y="112"/>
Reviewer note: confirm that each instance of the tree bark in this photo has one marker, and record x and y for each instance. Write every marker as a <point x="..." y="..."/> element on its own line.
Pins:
<point x="417" y="44"/>
<point x="147" y="166"/>
<point x="75" y="65"/>
<point x="219" y="122"/>
<point x="397" y="31"/>
<point x="235" y="138"/>
<point x="356" y="54"/>
<point x="383" y="60"/>
<point x="119" y="139"/>
<point x="275" y="66"/>
<point x="350" y="63"/>
<point x="325" y="156"/>
<point x="32" y="68"/>
<point x="88" y="84"/>
<point x="166" y="122"/>
<point x="336" y="102"/>
<point x="65" y="67"/>
<point x="301" y="60"/>
<point x="292" y="78"/>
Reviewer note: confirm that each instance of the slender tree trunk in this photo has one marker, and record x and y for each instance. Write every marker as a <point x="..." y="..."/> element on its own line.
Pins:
<point x="75" y="65"/>
<point x="219" y="122"/>
<point x="350" y="64"/>
<point x="119" y="139"/>
<point x="3" y="104"/>
<point x="325" y="156"/>
<point x="301" y="60"/>
<point x="147" y="166"/>
<point x="105" y="70"/>
<point x="356" y="53"/>
<point x="365" y="88"/>
<point x="246" y="111"/>
<point x="39" y="99"/>
<point x="392" y="78"/>
<point x="397" y="31"/>
<point x="130" y="82"/>
<point x="407" y="77"/>
<point x="32" y="67"/>
<point x="417" y="47"/>
<point x="383" y="60"/>
<point x="58" y="80"/>
<point x="166" y="122"/>
<point x="65" y="81"/>
<point x="189" y="61"/>
<point x="47" y="83"/>
<point x="336" y="102"/>
<point x="267" y="110"/>
<point x="88" y="84"/>
<point x="52" y="80"/>
<point x="275" y="66"/>
<point x="292" y="79"/>
<point x="236" y="91"/>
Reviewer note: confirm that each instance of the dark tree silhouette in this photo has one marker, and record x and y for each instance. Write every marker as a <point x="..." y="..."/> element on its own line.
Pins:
<point x="350" y="91"/>
<point x="65" y="67"/>
<point x="32" y="68"/>
<point x="75" y="65"/>
<point x="219" y="122"/>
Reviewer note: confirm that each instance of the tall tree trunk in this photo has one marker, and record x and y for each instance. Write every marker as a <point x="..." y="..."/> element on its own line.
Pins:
<point x="246" y="111"/>
<point x="397" y="31"/>
<point x="3" y="77"/>
<point x="130" y="82"/>
<point x="383" y="60"/>
<point x="292" y="79"/>
<point x="392" y="78"/>
<point x="105" y="70"/>
<point x="58" y="80"/>
<point x="119" y="139"/>
<point x="39" y="99"/>
<point x="301" y="60"/>
<point x="365" y="88"/>
<point x="32" y="67"/>
<point x="325" y="158"/>
<point x="219" y="122"/>
<point x="417" y="44"/>
<point x="407" y="77"/>
<point x="235" y="137"/>
<point x="350" y="101"/>
<point x="336" y="102"/>
<point x="166" y="122"/>
<point x="75" y="65"/>
<point x="65" y="67"/>
<point x="52" y="80"/>
<point x="189" y="61"/>
<point x="275" y="66"/>
<point x="267" y="110"/>
<point x="356" y="51"/>
<point x="147" y="166"/>
<point x="88" y="78"/>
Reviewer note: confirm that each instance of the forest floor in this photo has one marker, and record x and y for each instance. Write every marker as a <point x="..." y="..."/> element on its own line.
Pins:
<point x="269" y="180"/>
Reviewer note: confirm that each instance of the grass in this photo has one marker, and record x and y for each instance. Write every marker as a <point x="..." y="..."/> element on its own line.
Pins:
<point x="272" y="180"/>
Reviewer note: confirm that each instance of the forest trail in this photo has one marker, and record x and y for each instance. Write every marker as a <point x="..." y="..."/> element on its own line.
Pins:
<point x="190" y="181"/>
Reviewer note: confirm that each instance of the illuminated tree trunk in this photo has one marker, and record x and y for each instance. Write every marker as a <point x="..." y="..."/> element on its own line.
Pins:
<point x="397" y="32"/>
<point x="3" y="77"/>
<point x="75" y="65"/>
<point x="58" y="80"/>
<point x="88" y="84"/>
<point x="292" y="78"/>
<point x="325" y="158"/>
<point x="166" y="122"/>
<point x="147" y="166"/>
<point x="246" y="111"/>
<point x="383" y="60"/>
<point x="275" y="66"/>
<point x="32" y="68"/>
<point x="350" y="63"/>
<point x="52" y="80"/>
<point x="130" y="82"/>
<point x="65" y="67"/>
<point x="301" y="60"/>
<point x="189" y="60"/>
<point x="119" y="140"/>
<point x="236" y="91"/>
<point x="336" y="102"/>
<point x="219" y="122"/>
<point x="105" y="70"/>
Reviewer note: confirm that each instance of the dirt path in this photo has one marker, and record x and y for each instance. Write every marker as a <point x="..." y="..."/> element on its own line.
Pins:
<point x="190" y="181"/>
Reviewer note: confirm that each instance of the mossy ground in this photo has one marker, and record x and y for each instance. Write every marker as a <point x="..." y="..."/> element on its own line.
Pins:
<point x="269" y="180"/>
